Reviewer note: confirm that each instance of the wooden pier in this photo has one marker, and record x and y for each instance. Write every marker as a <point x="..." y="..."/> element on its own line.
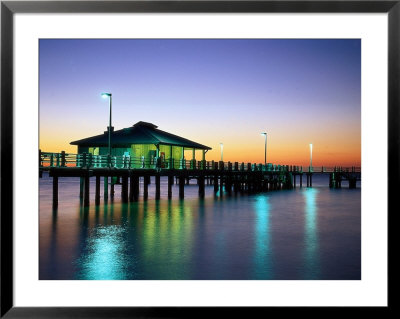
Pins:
<point x="224" y="176"/>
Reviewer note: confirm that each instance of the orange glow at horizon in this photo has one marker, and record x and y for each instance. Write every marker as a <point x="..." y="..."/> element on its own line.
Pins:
<point x="283" y="150"/>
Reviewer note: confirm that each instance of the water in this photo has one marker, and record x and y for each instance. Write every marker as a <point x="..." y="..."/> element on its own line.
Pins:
<point x="308" y="233"/>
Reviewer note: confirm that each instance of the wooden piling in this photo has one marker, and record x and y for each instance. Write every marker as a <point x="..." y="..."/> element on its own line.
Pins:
<point x="146" y="182"/>
<point x="157" y="186"/>
<point x="112" y="191"/>
<point x="352" y="182"/>
<point x="86" y="195"/>
<point x="105" y="187"/>
<point x="235" y="185"/>
<point x="131" y="187"/>
<point x="40" y="158"/>
<point x="181" y="187"/>
<point x="215" y="181"/>
<point x="201" y="186"/>
<point x="55" y="192"/>
<point x="124" y="191"/>
<point x="81" y="184"/>
<point x="136" y="187"/>
<point x="97" y="194"/>
<point x="288" y="180"/>
<point x="170" y="183"/>
<point x="228" y="184"/>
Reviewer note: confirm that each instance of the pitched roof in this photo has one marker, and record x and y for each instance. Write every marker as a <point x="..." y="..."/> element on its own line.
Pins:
<point x="139" y="133"/>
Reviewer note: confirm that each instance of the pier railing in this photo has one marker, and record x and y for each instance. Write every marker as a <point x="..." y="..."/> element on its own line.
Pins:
<point x="88" y="160"/>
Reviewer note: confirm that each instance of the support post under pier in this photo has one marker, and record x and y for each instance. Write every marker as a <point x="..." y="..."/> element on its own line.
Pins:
<point x="170" y="183"/>
<point x="105" y="187"/>
<point x="124" y="192"/>
<point x="87" y="191"/>
<point x="157" y="186"/>
<point x="97" y="194"/>
<point x="146" y="182"/>
<point x="81" y="184"/>
<point x="201" y="186"/>
<point x="55" y="192"/>
<point x="181" y="187"/>
<point x="215" y="182"/>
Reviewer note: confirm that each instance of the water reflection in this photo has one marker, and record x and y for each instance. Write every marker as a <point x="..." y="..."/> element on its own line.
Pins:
<point x="167" y="240"/>
<point x="105" y="255"/>
<point x="132" y="237"/>
<point x="53" y="247"/>
<point x="278" y="235"/>
<point x="311" y="244"/>
<point x="262" y="253"/>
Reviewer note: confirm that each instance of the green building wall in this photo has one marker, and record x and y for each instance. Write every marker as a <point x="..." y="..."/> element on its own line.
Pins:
<point x="138" y="151"/>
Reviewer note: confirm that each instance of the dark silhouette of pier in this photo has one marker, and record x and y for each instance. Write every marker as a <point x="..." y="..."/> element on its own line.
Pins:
<point x="230" y="177"/>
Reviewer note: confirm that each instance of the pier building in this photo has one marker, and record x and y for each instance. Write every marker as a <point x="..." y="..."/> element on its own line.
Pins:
<point x="145" y="143"/>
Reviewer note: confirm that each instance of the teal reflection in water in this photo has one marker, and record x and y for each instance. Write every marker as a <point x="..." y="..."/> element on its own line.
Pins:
<point x="311" y="245"/>
<point x="104" y="258"/>
<point x="262" y="253"/>
<point x="286" y="235"/>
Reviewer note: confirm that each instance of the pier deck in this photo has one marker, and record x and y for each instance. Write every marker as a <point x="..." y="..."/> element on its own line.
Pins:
<point x="232" y="177"/>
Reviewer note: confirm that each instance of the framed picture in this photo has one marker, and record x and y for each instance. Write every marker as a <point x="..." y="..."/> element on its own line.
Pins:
<point x="165" y="157"/>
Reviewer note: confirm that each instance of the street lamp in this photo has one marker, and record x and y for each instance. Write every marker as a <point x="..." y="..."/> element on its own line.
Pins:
<point x="310" y="156"/>
<point x="104" y="96"/>
<point x="222" y="151"/>
<point x="265" y="149"/>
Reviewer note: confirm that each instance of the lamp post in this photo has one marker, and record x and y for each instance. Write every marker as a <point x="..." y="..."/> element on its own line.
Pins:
<point x="104" y="96"/>
<point x="222" y="151"/>
<point x="310" y="156"/>
<point x="265" y="149"/>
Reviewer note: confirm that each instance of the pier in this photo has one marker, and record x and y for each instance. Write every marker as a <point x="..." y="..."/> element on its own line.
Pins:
<point x="230" y="177"/>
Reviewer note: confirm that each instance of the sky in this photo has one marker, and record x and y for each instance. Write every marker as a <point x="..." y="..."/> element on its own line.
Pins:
<point x="209" y="91"/>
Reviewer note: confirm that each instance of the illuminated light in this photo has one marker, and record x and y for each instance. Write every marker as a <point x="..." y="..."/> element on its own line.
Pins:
<point x="265" y="148"/>
<point x="105" y="95"/>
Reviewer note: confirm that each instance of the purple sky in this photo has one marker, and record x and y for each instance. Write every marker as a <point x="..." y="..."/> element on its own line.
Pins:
<point x="211" y="91"/>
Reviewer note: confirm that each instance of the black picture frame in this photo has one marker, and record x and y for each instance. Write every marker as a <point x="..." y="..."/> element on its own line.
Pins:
<point x="9" y="8"/>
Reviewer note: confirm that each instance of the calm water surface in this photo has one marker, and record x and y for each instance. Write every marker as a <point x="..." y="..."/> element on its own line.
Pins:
<point x="308" y="233"/>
